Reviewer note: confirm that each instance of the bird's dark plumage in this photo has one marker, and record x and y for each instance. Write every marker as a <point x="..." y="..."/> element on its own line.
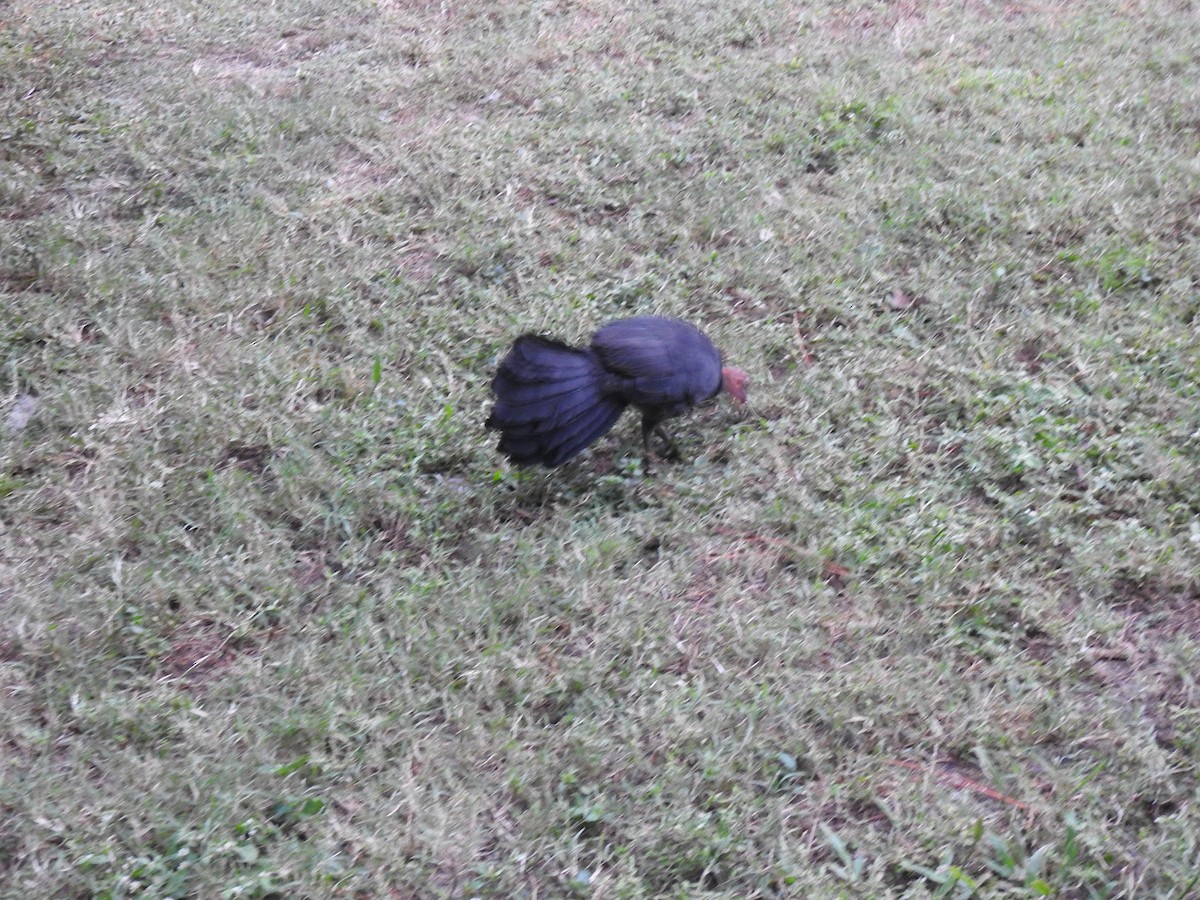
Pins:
<point x="553" y="400"/>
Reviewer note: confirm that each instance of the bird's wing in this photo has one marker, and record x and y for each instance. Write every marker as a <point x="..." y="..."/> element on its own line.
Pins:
<point x="659" y="361"/>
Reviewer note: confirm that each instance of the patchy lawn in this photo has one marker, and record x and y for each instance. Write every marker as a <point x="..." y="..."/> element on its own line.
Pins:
<point x="921" y="620"/>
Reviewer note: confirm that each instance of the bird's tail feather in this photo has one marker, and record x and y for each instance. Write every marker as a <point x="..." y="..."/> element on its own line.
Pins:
<point x="525" y="401"/>
<point x="586" y="429"/>
<point x="550" y="402"/>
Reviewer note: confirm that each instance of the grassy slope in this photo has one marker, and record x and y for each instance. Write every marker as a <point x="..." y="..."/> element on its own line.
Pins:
<point x="275" y="616"/>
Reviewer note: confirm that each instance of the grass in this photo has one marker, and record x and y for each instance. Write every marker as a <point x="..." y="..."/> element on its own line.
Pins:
<point x="921" y="621"/>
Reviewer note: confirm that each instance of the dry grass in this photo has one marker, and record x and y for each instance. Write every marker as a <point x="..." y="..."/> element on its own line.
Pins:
<point x="278" y="622"/>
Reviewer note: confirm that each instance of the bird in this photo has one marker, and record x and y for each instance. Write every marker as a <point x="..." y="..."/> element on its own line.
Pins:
<point x="552" y="400"/>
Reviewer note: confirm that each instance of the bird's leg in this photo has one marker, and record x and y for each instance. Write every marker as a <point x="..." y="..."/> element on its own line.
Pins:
<point x="648" y="425"/>
<point x="652" y="424"/>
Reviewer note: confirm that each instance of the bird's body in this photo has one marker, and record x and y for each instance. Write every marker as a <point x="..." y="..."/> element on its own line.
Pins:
<point x="553" y="400"/>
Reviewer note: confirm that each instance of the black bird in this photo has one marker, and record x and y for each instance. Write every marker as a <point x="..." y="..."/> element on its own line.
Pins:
<point x="553" y="400"/>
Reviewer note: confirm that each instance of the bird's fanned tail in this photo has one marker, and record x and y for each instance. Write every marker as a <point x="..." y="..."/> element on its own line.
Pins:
<point x="550" y="401"/>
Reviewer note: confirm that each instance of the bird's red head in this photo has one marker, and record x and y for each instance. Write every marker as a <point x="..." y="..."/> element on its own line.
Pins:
<point x="733" y="380"/>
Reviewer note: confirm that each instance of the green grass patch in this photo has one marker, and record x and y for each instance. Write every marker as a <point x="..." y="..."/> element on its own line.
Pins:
<point x="919" y="621"/>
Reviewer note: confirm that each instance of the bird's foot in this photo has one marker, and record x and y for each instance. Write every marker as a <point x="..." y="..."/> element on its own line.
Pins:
<point x="670" y="451"/>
